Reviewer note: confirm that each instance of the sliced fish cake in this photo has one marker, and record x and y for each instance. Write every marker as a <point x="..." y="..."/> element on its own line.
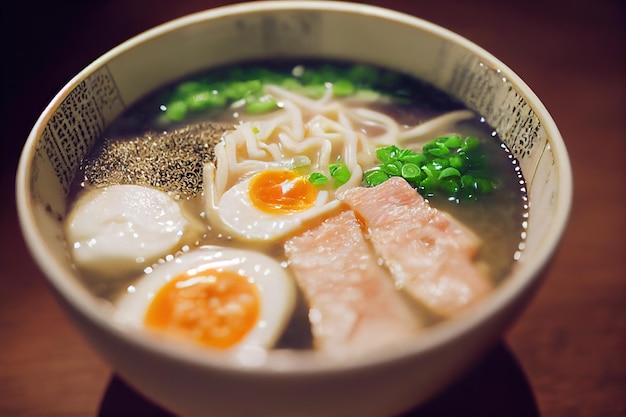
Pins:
<point x="429" y="253"/>
<point x="354" y="306"/>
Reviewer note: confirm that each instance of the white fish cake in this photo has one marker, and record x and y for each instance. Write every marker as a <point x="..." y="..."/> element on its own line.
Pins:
<point x="120" y="229"/>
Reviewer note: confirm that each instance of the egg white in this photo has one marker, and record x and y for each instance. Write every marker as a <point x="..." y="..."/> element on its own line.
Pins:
<point x="244" y="220"/>
<point x="276" y="288"/>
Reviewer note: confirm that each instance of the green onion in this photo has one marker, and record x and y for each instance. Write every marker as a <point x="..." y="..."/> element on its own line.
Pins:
<point x="388" y="154"/>
<point x="290" y="84"/>
<point x="262" y="105"/>
<point x="410" y="171"/>
<point x="452" y="141"/>
<point x="205" y="100"/>
<point x="449" y="172"/>
<point x="176" y="110"/>
<point x="374" y="177"/>
<point x="438" y="151"/>
<point x="343" y="87"/>
<point x="363" y="75"/>
<point x="244" y="84"/>
<point x="467" y="181"/>
<point x="412" y="157"/>
<point x="317" y="178"/>
<point x="484" y="185"/>
<point x="189" y="87"/>
<point x="440" y="163"/>
<point x="451" y="186"/>
<point x="392" y="168"/>
<point x="443" y="168"/>
<point x="457" y="162"/>
<point x="428" y="185"/>
<point x="427" y="170"/>
<point x="242" y="89"/>
<point x="314" y="91"/>
<point x="470" y="143"/>
<point x="340" y="173"/>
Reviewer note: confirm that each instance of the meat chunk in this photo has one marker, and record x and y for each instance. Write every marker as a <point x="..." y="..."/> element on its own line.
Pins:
<point x="429" y="253"/>
<point x="354" y="306"/>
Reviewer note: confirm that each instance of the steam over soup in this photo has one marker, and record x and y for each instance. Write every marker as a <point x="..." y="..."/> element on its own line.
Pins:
<point x="301" y="205"/>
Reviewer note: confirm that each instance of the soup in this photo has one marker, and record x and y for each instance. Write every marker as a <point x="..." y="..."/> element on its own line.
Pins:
<point x="296" y="205"/>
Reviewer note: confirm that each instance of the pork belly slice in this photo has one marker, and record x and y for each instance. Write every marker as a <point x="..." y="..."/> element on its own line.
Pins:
<point x="429" y="253"/>
<point x="354" y="306"/>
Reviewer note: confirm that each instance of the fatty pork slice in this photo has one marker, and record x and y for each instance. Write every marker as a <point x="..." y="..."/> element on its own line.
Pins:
<point x="429" y="253"/>
<point x="354" y="306"/>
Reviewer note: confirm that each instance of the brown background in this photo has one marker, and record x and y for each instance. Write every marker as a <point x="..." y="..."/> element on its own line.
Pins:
<point x="566" y="354"/>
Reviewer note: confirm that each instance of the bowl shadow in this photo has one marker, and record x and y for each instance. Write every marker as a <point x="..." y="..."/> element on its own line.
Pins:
<point x="496" y="386"/>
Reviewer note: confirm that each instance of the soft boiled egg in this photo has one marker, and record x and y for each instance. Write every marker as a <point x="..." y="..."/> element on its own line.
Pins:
<point x="271" y="204"/>
<point x="120" y="229"/>
<point x="215" y="297"/>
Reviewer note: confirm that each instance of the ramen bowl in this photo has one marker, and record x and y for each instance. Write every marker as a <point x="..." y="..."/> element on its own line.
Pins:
<point x="191" y="382"/>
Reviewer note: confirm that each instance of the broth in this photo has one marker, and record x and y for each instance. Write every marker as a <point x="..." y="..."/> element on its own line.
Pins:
<point x="142" y="147"/>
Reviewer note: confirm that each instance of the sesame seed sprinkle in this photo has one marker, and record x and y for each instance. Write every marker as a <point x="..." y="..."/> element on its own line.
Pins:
<point x="171" y="160"/>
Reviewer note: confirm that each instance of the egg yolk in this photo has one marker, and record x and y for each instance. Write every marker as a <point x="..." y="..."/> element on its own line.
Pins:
<point x="281" y="192"/>
<point x="216" y="308"/>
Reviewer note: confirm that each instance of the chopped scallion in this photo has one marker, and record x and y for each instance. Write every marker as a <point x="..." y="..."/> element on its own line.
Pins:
<point x="374" y="177"/>
<point x="448" y="165"/>
<point x="340" y="173"/>
<point x="317" y="178"/>
<point x="410" y="171"/>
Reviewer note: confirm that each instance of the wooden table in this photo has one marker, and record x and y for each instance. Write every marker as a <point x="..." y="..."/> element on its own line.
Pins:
<point x="566" y="354"/>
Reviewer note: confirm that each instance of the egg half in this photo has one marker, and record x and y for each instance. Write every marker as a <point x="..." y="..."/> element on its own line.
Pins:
<point x="215" y="297"/>
<point x="271" y="204"/>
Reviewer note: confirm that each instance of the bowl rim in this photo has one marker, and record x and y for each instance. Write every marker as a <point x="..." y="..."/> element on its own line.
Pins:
<point x="309" y="362"/>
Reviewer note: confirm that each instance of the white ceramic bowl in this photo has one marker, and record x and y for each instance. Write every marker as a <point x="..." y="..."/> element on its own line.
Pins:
<point x="292" y="384"/>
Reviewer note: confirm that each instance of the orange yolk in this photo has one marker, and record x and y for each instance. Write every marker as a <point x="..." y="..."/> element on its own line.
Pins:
<point x="216" y="308"/>
<point x="281" y="192"/>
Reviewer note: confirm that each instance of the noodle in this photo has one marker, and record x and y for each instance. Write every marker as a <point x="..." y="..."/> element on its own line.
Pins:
<point x="322" y="129"/>
<point x="435" y="127"/>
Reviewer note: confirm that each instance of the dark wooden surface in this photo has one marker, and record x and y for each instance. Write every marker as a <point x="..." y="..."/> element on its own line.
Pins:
<point x="566" y="354"/>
